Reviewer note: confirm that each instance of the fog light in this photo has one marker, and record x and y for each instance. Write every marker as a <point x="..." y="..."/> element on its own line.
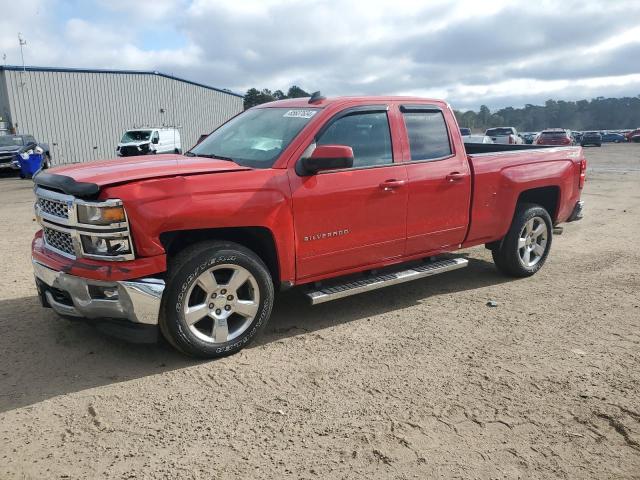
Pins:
<point x="105" y="246"/>
<point x="111" y="293"/>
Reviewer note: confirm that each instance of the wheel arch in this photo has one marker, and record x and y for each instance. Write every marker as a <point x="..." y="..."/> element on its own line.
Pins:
<point x="547" y="197"/>
<point x="259" y="240"/>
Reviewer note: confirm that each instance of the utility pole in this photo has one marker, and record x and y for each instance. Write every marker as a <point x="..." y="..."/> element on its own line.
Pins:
<point x="23" y="43"/>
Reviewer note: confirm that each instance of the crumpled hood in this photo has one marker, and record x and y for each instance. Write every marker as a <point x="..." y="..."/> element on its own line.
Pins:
<point x="127" y="169"/>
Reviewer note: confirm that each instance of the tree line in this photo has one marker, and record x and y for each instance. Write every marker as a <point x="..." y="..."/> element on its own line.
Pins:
<point x="597" y="114"/>
<point x="255" y="97"/>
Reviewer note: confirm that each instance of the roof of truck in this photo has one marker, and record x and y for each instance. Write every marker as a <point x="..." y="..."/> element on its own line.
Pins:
<point x="303" y="102"/>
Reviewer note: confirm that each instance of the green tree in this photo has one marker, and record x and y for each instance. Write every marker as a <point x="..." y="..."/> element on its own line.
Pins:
<point x="255" y="97"/>
<point x="297" y="92"/>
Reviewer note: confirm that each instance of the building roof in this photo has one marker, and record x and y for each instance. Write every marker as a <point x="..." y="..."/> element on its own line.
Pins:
<point x="121" y="72"/>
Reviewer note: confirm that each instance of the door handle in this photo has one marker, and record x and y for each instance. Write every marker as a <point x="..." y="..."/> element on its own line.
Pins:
<point x="455" y="176"/>
<point x="389" y="185"/>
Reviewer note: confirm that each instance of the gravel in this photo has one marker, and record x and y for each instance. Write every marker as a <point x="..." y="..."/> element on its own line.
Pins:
<point x="413" y="381"/>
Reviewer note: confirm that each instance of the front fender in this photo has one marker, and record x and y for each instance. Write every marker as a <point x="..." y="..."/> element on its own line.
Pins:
<point x="254" y="198"/>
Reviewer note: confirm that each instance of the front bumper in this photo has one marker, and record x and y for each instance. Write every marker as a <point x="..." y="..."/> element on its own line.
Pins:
<point x="137" y="301"/>
<point x="9" y="166"/>
<point x="577" y="212"/>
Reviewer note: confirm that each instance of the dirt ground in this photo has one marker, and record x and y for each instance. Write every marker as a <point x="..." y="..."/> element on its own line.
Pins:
<point x="414" y="381"/>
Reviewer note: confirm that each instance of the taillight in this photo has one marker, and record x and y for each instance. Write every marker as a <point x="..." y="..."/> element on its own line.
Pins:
<point x="583" y="172"/>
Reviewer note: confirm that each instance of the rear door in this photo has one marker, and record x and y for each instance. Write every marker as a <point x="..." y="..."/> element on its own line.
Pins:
<point x="439" y="180"/>
<point x="346" y="219"/>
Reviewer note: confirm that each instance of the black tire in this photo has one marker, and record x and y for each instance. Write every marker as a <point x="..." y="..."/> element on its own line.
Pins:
<point x="506" y="255"/>
<point x="46" y="161"/>
<point x="184" y="271"/>
<point x="599" y="145"/>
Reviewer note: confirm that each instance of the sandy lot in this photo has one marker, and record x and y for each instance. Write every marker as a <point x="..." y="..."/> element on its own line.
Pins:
<point x="414" y="381"/>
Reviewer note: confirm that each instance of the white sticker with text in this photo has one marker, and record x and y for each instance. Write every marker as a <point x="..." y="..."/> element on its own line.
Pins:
<point x="300" y="113"/>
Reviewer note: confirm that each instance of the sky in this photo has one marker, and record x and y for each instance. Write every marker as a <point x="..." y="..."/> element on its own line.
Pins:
<point x="497" y="53"/>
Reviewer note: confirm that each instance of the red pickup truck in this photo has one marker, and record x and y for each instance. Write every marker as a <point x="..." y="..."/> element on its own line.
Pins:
<point x="338" y="195"/>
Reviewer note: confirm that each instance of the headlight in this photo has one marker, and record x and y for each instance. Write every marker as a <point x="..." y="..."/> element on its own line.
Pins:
<point x="101" y="215"/>
<point x="105" y="246"/>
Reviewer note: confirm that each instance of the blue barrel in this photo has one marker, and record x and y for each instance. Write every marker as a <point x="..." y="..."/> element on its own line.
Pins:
<point x="31" y="165"/>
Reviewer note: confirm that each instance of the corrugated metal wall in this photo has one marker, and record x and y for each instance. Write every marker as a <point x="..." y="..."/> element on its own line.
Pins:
<point x="82" y="115"/>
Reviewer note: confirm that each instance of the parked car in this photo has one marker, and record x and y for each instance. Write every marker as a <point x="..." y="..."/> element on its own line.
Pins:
<point x="612" y="137"/>
<point x="576" y="136"/>
<point x="317" y="193"/>
<point x="591" y="138"/>
<point x="13" y="145"/>
<point x="507" y="135"/>
<point x="554" y="136"/>
<point x="477" y="139"/>
<point x="465" y="131"/>
<point x="634" y="136"/>
<point x="149" y="141"/>
<point x="528" y="137"/>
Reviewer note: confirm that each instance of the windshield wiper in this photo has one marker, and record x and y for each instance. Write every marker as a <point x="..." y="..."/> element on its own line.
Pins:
<point x="210" y="155"/>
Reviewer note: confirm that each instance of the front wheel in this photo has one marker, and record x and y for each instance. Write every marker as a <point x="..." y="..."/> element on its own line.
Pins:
<point x="218" y="298"/>
<point x="526" y="246"/>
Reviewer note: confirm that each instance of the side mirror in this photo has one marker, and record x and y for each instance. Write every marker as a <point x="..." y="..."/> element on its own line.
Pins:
<point x="327" y="157"/>
<point x="155" y="140"/>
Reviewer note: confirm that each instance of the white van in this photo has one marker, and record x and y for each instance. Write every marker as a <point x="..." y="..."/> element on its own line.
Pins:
<point x="147" y="141"/>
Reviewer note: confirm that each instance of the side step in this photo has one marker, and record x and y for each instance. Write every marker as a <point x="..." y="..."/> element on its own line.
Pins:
<point x="354" y="287"/>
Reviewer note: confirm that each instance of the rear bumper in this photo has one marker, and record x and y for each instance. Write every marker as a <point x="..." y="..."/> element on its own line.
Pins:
<point x="577" y="212"/>
<point x="137" y="301"/>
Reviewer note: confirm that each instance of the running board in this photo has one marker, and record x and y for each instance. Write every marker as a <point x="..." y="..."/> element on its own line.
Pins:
<point x="335" y="292"/>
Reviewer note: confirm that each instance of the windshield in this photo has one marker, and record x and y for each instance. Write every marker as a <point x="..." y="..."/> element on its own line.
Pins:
<point x="554" y="134"/>
<point x="256" y="137"/>
<point x="495" y="132"/>
<point x="136" y="136"/>
<point x="10" y="141"/>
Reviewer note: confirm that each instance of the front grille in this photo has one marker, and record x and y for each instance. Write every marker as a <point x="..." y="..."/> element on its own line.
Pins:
<point x="130" y="151"/>
<point x="59" y="240"/>
<point x="53" y="207"/>
<point x="6" y="157"/>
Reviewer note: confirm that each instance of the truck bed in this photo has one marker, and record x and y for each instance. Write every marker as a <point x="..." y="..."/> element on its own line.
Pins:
<point x="478" y="148"/>
<point x="500" y="174"/>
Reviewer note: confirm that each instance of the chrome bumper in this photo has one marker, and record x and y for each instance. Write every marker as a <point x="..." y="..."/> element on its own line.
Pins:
<point x="137" y="301"/>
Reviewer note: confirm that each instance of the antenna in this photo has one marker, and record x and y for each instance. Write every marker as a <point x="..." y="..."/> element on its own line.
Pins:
<point x="316" y="97"/>
<point x="22" y="43"/>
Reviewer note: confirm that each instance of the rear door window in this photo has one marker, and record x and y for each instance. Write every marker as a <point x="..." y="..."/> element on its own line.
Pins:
<point x="428" y="135"/>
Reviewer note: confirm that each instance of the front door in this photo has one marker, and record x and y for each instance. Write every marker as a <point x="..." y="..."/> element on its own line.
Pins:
<point x="345" y="219"/>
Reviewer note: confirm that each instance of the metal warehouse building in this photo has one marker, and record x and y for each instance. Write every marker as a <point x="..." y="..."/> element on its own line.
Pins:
<point x="82" y="114"/>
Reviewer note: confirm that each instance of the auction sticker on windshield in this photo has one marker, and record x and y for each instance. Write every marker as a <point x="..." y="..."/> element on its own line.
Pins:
<point x="300" y="113"/>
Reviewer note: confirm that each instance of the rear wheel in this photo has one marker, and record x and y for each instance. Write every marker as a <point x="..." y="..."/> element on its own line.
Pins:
<point x="218" y="298"/>
<point x="524" y="250"/>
